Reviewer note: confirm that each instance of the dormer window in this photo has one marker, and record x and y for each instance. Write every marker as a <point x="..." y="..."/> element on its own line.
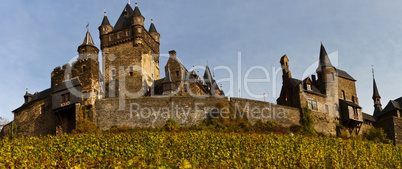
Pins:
<point x="110" y="38"/>
<point x="128" y="33"/>
<point x="308" y="86"/>
<point x="119" y="36"/>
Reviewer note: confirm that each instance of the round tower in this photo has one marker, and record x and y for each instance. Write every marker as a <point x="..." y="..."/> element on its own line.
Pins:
<point x="104" y="29"/>
<point x="138" y="19"/>
<point x="88" y="49"/>
<point x="152" y="31"/>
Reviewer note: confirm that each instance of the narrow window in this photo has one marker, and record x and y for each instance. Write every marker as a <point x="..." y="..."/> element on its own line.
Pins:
<point x="353" y="99"/>
<point x="333" y="76"/>
<point x="62" y="98"/>
<point x="42" y="109"/>
<point x="118" y="35"/>
<point x="336" y="107"/>
<point x="113" y="74"/>
<point x="84" y="68"/>
<point x="177" y="73"/>
<point x="131" y="71"/>
<point x="68" y="97"/>
<point x="326" y="109"/>
<point x="128" y="33"/>
<point x="185" y="88"/>
<point x="139" y="30"/>
<point x="110" y="38"/>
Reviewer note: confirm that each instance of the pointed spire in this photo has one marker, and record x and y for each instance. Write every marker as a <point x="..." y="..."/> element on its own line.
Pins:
<point x="152" y="27"/>
<point x="88" y="40"/>
<point x="376" y="94"/>
<point x="207" y="75"/>
<point x="105" y="20"/>
<point x="137" y="10"/>
<point x="324" y="60"/>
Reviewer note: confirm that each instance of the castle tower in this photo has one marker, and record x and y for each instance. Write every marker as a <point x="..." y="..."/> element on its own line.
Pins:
<point x="129" y="51"/>
<point x="88" y="49"/>
<point x="285" y="68"/>
<point x="376" y="98"/>
<point x="169" y="87"/>
<point x="328" y="81"/>
<point x="153" y="32"/>
<point x="86" y="69"/>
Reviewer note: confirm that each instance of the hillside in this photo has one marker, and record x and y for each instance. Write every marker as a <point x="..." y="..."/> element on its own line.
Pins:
<point x="200" y="149"/>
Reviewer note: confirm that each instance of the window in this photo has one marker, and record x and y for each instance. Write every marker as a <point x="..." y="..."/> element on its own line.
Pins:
<point x="139" y="30"/>
<point x="333" y="75"/>
<point x="113" y="74"/>
<point x="343" y="95"/>
<point x="355" y="113"/>
<point x="336" y="107"/>
<point x="65" y="98"/>
<point x="104" y="29"/>
<point x="185" y="88"/>
<point x="42" y="109"/>
<point x="312" y="104"/>
<point x="110" y="38"/>
<point x="83" y="68"/>
<point x="308" y="86"/>
<point x="326" y="109"/>
<point x="177" y="73"/>
<point x="118" y="35"/>
<point x="128" y="33"/>
<point x="131" y="71"/>
<point x="353" y="99"/>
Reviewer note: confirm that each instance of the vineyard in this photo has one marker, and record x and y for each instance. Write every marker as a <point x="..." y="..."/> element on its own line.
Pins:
<point x="195" y="149"/>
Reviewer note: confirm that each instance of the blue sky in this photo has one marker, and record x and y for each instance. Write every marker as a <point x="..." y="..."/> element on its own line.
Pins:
<point x="36" y="37"/>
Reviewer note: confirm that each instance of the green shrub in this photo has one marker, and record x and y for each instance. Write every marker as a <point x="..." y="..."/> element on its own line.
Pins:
<point x="171" y="125"/>
<point x="307" y="122"/>
<point x="377" y="135"/>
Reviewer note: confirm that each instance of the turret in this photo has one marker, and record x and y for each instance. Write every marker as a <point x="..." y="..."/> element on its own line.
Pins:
<point x="104" y="29"/>
<point x="138" y="19"/>
<point x="152" y="31"/>
<point x="88" y="49"/>
<point x="326" y="72"/>
<point x="285" y="67"/>
<point x="376" y="98"/>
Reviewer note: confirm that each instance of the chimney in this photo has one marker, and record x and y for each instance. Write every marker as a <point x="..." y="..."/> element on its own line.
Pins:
<point x="172" y="53"/>
<point x="313" y="79"/>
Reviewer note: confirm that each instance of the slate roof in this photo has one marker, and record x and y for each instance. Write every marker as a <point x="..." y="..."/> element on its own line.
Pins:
<point x="136" y="11"/>
<point x="368" y="117"/>
<point x="324" y="60"/>
<point x="375" y="90"/>
<point x="35" y="97"/>
<point x="349" y="103"/>
<point x="124" y="19"/>
<point x="68" y="84"/>
<point x="105" y="20"/>
<point x="152" y="28"/>
<point x="392" y="105"/>
<point x="88" y="41"/>
<point x="344" y="74"/>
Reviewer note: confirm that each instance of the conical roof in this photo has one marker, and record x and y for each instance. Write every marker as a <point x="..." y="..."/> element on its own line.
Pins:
<point x="324" y="59"/>
<point x="152" y="28"/>
<point x="207" y="75"/>
<point x="375" y="90"/>
<point x="105" y="20"/>
<point x="137" y="11"/>
<point x="88" y="40"/>
<point x="125" y="18"/>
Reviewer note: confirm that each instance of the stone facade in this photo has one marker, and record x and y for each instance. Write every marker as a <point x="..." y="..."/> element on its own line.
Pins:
<point x="332" y="96"/>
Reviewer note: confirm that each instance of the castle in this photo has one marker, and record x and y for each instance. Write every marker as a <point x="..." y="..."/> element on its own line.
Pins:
<point x="130" y="92"/>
